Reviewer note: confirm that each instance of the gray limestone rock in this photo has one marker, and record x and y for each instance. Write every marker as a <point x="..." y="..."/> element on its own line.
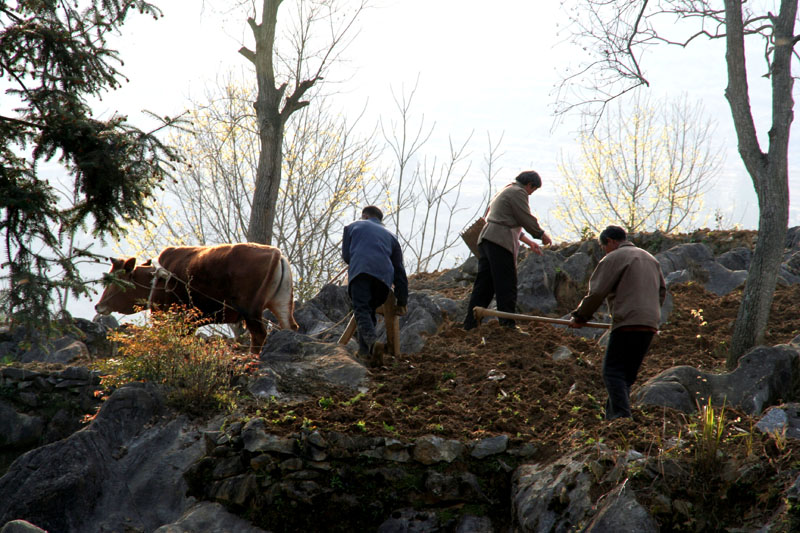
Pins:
<point x="430" y="449"/>
<point x="208" y="516"/>
<point x="536" y="278"/>
<point x="21" y="526"/>
<point x="304" y="365"/>
<point x="683" y="256"/>
<point x="552" y="497"/>
<point x="64" y="350"/>
<point x="736" y="259"/>
<point x="124" y="470"/>
<point x="781" y="419"/>
<point x="763" y="376"/>
<point x="18" y="430"/>
<point x="622" y="512"/>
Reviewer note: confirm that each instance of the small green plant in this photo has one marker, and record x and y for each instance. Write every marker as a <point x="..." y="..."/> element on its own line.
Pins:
<point x="709" y="435"/>
<point x="448" y="375"/>
<point x="361" y="425"/>
<point x="744" y="434"/>
<point x="698" y="315"/>
<point x="199" y="374"/>
<point x="779" y="437"/>
<point x="388" y="427"/>
<point x="325" y="402"/>
<point x="353" y="400"/>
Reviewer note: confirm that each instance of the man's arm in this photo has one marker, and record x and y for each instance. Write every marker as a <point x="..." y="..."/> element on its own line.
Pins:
<point x="346" y="245"/>
<point x="532" y="244"/>
<point x="400" y="278"/>
<point x="521" y="211"/>
<point x="601" y="283"/>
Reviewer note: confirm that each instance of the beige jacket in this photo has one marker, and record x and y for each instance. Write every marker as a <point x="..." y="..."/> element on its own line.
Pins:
<point x="508" y="211"/>
<point x="631" y="280"/>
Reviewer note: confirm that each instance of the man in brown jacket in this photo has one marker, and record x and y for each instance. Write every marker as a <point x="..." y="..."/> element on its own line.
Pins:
<point x="498" y="244"/>
<point x="632" y="282"/>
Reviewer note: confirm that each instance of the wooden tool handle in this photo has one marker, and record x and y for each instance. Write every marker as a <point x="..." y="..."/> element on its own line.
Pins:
<point x="481" y="312"/>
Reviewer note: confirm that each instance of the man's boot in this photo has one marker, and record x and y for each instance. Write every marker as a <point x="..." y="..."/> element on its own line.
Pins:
<point x="376" y="354"/>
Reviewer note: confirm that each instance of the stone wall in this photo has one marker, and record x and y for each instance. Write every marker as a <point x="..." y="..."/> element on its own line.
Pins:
<point x="41" y="406"/>
<point x="303" y="481"/>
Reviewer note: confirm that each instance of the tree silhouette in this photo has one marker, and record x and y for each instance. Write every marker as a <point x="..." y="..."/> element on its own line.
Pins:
<point x="53" y="58"/>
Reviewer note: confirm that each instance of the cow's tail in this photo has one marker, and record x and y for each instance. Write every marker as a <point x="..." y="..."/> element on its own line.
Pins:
<point x="283" y="298"/>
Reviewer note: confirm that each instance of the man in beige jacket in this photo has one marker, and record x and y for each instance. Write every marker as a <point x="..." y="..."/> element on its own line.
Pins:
<point x="498" y="244"/>
<point x="632" y="282"/>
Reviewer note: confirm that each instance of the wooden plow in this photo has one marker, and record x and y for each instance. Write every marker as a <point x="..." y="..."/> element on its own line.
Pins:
<point x="391" y="322"/>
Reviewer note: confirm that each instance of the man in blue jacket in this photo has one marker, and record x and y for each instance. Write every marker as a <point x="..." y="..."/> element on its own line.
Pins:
<point x="375" y="262"/>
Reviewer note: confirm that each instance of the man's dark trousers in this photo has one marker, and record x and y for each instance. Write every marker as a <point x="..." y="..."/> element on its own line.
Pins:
<point x="367" y="294"/>
<point x="624" y="356"/>
<point x="497" y="277"/>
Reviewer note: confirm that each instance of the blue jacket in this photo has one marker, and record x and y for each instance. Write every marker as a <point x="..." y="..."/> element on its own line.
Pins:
<point x="370" y="248"/>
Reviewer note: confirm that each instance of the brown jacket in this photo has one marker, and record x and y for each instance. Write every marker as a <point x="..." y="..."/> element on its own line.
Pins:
<point x="632" y="281"/>
<point x="508" y="211"/>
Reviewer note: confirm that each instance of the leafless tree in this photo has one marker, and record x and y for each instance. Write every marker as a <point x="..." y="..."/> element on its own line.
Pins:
<point x="326" y="170"/>
<point x="614" y="34"/>
<point x="645" y="166"/>
<point x="319" y="31"/>
<point x="425" y="195"/>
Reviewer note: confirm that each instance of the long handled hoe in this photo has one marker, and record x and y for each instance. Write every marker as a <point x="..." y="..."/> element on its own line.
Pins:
<point x="481" y="312"/>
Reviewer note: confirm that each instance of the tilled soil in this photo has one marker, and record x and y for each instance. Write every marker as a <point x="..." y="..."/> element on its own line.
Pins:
<point x="489" y="381"/>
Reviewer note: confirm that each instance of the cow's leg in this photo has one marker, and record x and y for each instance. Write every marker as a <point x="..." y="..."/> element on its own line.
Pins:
<point x="258" y="334"/>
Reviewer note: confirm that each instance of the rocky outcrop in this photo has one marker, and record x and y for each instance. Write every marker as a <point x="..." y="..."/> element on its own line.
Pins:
<point x="558" y="496"/>
<point x="125" y="470"/>
<point x="210" y="517"/>
<point x="781" y="420"/>
<point x="764" y="376"/>
<point x="295" y="366"/>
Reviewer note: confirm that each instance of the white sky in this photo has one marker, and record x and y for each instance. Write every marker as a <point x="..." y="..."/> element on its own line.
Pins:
<point x="487" y="68"/>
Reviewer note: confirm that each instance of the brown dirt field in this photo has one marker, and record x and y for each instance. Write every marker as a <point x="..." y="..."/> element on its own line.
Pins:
<point x="469" y="385"/>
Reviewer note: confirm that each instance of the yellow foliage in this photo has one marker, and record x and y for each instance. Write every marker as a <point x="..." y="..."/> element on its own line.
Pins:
<point x="645" y="170"/>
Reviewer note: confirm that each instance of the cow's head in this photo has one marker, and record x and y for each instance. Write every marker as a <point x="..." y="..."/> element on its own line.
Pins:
<point x="127" y="285"/>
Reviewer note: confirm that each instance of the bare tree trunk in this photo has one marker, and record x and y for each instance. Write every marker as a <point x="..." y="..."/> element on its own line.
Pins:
<point x="274" y="107"/>
<point x="270" y="125"/>
<point x="769" y="171"/>
<point x="268" y="179"/>
<point x="751" y="322"/>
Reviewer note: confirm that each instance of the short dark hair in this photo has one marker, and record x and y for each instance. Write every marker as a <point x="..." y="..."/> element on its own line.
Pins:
<point x="372" y="211"/>
<point x="612" y="232"/>
<point x="530" y="177"/>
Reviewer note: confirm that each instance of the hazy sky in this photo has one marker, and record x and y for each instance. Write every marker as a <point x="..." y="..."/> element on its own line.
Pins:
<point x="487" y="70"/>
<point x="481" y="68"/>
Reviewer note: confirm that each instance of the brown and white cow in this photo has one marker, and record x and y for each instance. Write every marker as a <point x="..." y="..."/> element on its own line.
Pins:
<point x="227" y="283"/>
